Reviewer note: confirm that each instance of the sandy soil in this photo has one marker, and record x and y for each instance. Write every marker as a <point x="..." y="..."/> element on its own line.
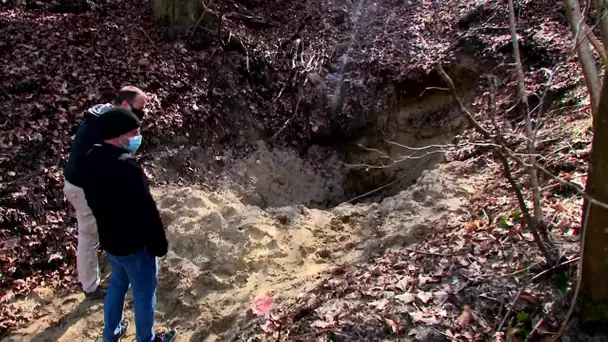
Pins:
<point x="224" y="250"/>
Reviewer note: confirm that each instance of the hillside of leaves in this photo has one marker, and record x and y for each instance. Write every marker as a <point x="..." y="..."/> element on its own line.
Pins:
<point x="225" y="85"/>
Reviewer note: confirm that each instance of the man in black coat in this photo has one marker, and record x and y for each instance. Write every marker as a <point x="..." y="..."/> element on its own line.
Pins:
<point x="87" y="263"/>
<point x="128" y="222"/>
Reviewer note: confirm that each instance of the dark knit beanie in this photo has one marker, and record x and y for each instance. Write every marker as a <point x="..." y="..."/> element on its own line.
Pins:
<point x="116" y="122"/>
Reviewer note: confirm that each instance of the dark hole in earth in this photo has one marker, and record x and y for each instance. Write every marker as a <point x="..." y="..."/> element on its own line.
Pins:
<point x="379" y="157"/>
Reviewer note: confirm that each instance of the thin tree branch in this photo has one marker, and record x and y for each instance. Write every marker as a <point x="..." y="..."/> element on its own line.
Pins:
<point x="410" y="157"/>
<point x="433" y="254"/>
<point x="528" y="282"/>
<point x="574" y="186"/>
<point x="521" y="86"/>
<point x="530" y="222"/>
<point x="601" y="13"/>
<point x="205" y="10"/>
<point x="451" y="146"/>
<point x="389" y="184"/>
<point x="597" y="46"/>
<point x="426" y="147"/>
<point x="579" y="279"/>
<point x="508" y="174"/>
<point x="589" y="36"/>
<point x="463" y="110"/>
<point x="540" y="104"/>
<point x="295" y="113"/>
<point x="592" y="77"/>
<point x="432" y="88"/>
<point x="534" y="330"/>
<point x="442" y="149"/>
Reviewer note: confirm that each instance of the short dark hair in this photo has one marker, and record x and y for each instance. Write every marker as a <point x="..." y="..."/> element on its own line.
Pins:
<point x="127" y="93"/>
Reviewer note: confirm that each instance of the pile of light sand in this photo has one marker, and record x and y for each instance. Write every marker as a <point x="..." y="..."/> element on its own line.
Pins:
<point x="223" y="252"/>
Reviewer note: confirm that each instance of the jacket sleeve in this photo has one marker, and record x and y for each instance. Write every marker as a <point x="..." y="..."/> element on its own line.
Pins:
<point x="141" y="201"/>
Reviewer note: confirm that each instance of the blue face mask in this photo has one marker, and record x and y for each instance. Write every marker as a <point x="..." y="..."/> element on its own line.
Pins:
<point x="134" y="143"/>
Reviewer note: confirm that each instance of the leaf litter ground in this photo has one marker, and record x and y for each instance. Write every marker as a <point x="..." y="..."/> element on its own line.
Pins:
<point x="62" y="62"/>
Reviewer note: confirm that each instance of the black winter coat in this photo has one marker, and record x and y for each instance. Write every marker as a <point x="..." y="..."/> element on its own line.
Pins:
<point x="87" y="135"/>
<point x="117" y="192"/>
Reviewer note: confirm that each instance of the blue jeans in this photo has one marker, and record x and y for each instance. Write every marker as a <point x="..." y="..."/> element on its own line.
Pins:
<point x="140" y="270"/>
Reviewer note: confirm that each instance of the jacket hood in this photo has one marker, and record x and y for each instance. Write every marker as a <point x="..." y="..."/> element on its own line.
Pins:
<point x="99" y="109"/>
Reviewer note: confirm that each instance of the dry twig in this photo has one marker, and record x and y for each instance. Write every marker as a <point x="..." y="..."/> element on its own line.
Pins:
<point x="534" y="330"/>
<point x="601" y="12"/>
<point x="540" y="103"/>
<point x="572" y="185"/>
<point x="523" y="98"/>
<point x="590" y="71"/>
<point x="394" y="161"/>
<point x="579" y="279"/>
<point x="205" y="10"/>
<point x="295" y="113"/>
<point x="433" y="254"/>
<point x="498" y="152"/>
<point x="528" y="282"/>
<point x="418" y="166"/>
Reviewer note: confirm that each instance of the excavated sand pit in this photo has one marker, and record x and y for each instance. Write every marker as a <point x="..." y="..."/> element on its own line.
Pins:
<point x="224" y="252"/>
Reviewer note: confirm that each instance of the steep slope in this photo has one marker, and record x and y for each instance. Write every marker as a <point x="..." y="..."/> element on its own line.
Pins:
<point x="366" y="76"/>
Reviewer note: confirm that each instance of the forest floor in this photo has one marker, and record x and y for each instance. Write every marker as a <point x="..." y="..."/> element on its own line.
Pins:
<point x="440" y="260"/>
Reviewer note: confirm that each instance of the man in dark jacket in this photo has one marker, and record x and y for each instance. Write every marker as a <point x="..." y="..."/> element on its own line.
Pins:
<point x="129" y="225"/>
<point x="87" y="264"/>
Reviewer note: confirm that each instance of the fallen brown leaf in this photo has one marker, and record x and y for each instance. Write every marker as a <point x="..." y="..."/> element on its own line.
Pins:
<point x="391" y="324"/>
<point x="322" y="324"/>
<point x="381" y="304"/>
<point x="424" y="296"/>
<point x="403" y="283"/>
<point x="465" y="317"/>
<point x="422" y="317"/>
<point x="528" y="297"/>
<point x="406" y="298"/>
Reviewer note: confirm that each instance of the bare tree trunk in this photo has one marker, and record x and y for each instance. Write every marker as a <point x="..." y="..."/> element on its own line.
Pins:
<point x="594" y="287"/>
<point x="592" y="77"/>
<point x="523" y="97"/>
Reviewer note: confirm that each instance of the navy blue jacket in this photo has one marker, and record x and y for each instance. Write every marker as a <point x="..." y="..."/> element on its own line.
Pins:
<point x="87" y="135"/>
<point x="117" y="191"/>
